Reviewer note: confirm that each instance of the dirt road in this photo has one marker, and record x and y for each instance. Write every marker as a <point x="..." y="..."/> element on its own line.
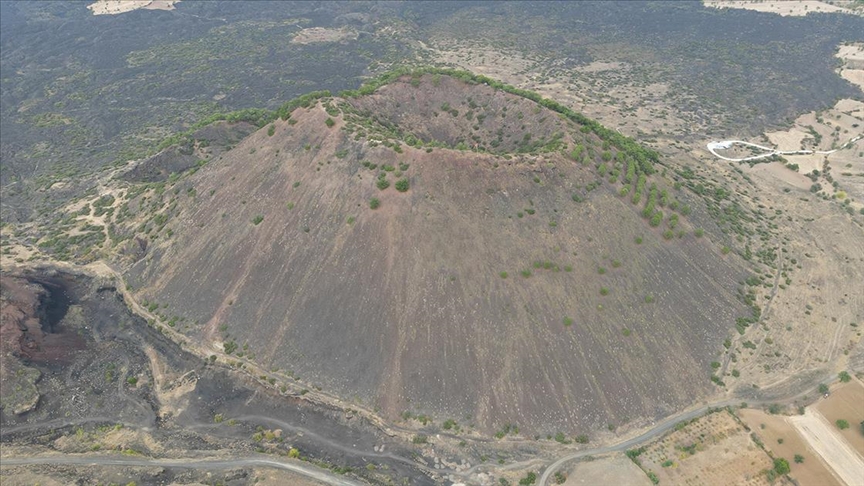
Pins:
<point x="86" y="460"/>
<point x="847" y="464"/>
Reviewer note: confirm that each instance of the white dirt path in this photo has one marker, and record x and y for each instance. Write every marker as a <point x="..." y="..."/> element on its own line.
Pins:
<point x="841" y="459"/>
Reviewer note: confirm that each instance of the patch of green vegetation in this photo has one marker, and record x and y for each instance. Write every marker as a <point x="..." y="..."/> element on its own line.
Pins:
<point x="643" y="157"/>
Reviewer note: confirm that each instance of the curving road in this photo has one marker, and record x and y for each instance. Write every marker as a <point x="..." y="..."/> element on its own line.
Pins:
<point x="310" y="472"/>
<point x="668" y="424"/>
<point x="770" y="152"/>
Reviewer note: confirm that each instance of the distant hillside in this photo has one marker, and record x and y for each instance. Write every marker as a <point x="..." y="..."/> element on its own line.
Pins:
<point x="444" y="246"/>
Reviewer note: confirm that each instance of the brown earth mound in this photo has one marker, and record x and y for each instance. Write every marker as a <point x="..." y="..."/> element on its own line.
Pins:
<point x="598" y="319"/>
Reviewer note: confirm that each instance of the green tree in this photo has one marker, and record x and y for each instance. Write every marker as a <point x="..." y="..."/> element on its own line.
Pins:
<point x="529" y="479"/>
<point x="844" y="377"/>
<point x="842" y="424"/>
<point x="781" y="466"/>
<point x="823" y="388"/>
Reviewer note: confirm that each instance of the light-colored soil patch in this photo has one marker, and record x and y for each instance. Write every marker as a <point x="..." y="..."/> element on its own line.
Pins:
<point x="771" y="429"/>
<point x="617" y="470"/>
<point x="846" y="402"/>
<point x="782" y="173"/>
<point x="114" y="7"/>
<point x="713" y="450"/>
<point x="852" y="69"/>
<point x="321" y="34"/>
<point x="278" y="477"/>
<point x="598" y="66"/>
<point x="604" y="90"/>
<point x="20" y="476"/>
<point x="830" y="445"/>
<point x="781" y="7"/>
<point x="790" y="138"/>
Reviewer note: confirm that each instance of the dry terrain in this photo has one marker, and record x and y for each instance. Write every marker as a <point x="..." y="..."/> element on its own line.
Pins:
<point x="846" y="402"/>
<point x="782" y="440"/>
<point x="617" y="470"/>
<point x="321" y="34"/>
<point x="826" y="440"/>
<point x="114" y="7"/>
<point x="787" y="7"/>
<point x="522" y="267"/>
<point x="712" y="450"/>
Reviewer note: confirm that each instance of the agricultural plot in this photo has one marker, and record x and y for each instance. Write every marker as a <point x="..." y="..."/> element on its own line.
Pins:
<point x="713" y="450"/>
<point x="780" y="438"/>
<point x="846" y="403"/>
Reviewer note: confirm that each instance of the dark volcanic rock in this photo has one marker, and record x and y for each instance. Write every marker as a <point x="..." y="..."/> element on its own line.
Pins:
<point x="405" y="307"/>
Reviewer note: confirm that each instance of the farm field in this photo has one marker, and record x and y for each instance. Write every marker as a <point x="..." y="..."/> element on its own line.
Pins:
<point x="712" y="450"/>
<point x="846" y="402"/>
<point x="780" y="437"/>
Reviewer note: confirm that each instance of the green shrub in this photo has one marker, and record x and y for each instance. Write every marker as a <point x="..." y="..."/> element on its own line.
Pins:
<point x="842" y="424"/>
<point x="781" y="466"/>
<point x="382" y="184"/>
<point x="844" y="377"/>
<point x="329" y="122"/>
<point x="257" y="220"/>
<point x="568" y="321"/>
<point x="529" y="479"/>
<point x="271" y="130"/>
<point x="503" y="274"/>
<point x="402" y="185"/>
<point x="374" y="203"/>
<point x="604" y="291"/>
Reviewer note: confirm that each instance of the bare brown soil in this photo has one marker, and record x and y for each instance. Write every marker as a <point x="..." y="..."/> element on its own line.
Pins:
<point x="772" y="429"/>
<point x="846" y="402"/>
<point x="784" y="7"/>
<point x="826" y="441"/>
<point x="618" y="470"/>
